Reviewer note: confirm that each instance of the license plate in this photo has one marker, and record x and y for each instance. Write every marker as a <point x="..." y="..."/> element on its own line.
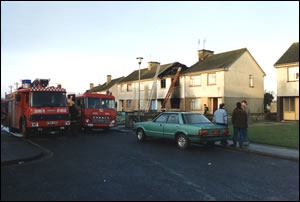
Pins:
<point x="52" y="122"/>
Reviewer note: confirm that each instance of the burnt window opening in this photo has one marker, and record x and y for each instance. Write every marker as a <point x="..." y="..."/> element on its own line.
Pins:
<point x="175" y="103"/>
<point x="177" y="82"/>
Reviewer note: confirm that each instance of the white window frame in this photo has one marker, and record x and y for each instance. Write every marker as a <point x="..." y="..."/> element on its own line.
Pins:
<point x="209" y="79"/>
<point x="251" y="81"/>
<point x="195" y="105"/>
<point x="195" y="80"/>
<point x="293" y="73"/>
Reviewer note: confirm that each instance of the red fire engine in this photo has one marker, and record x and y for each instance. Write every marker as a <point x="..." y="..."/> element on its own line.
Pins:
<point x="37" y="107"/>
<point x="95" y="110"/>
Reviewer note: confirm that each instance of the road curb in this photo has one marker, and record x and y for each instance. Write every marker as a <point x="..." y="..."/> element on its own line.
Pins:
<point x="37" y="155"/>
<point x="261" y="153"/>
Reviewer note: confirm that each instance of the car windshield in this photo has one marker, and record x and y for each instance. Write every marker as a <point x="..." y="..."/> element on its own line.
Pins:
<point x="195" y="119"/>
<point x="108" y="103"/>
<point x="48" y="99"/>
<point x="92" y="102"/>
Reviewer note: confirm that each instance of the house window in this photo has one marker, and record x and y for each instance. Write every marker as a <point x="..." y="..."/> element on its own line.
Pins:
<point x="128" y="103"/>
<point x="251" y="81"/>
<point x="195" y="80"/>
<point x="123" y="88"/>
<point x="129" y="87"/>
<point x="293" y="74"/>
<point x="175" y="103"/>
<point x="142" y="87"/>
<point x="163" y="83"/>
<point x="142" y="104"/>
<point x="177" y="82"/>
<point x="289" y="104"/>
<point x="196" y="104"/>
<point x="212" y="79"/>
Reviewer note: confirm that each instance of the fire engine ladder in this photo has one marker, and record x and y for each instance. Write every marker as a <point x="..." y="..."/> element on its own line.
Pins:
<point x="163" y="106"/>
<point x="152" y="89"/>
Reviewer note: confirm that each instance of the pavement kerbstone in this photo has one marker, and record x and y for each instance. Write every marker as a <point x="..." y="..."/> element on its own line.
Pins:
<point x="17" y="150"/>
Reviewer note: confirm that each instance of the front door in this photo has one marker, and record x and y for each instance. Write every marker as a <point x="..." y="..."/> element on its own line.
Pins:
<point x="215" y="104"/>
<point x="153" y="105"/>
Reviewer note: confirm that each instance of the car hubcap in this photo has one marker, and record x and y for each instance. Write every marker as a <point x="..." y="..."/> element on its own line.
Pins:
<point x="181" y="141"/>
<point x="140" y="135"/>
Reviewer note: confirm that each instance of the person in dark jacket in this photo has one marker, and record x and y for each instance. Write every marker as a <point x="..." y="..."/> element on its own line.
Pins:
<point x="240" y="123"/>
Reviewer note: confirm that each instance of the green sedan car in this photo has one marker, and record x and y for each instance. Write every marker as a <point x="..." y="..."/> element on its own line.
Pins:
<point x="183" y="127"/>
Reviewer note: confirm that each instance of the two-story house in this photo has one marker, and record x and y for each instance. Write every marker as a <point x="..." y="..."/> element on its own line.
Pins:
<point x="228" y="77"/>
<point x="287" y="69"/>
<point x="128" y="88"/>
<point x="109" y="87"/>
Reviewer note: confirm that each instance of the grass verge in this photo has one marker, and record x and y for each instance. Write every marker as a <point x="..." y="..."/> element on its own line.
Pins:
<point x="285" y="134"/>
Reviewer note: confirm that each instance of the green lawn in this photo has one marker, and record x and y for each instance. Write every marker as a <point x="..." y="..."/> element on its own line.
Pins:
<point x="286" y="134"/>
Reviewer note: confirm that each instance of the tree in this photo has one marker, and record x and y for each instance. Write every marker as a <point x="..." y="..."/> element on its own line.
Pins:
<point x="268" y="98"/>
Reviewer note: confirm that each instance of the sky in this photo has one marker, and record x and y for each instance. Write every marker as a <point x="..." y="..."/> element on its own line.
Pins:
<point x="78" y="43"/>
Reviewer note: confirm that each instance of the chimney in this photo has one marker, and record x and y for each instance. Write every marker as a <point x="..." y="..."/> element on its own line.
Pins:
<point x="108" y="79"/>
<point x="91" y="85"/>
<point x="203" y="54"/>
<point x="152" y="64"/>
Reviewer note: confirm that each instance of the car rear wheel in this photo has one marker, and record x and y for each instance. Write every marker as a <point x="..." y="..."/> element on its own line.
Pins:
<point x="140" y="134"/>
<point x="182" y="141"/>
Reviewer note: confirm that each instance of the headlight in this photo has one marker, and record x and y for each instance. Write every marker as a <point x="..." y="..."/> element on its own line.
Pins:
<point x="87" y="120"/>
<point x="67" y="123"/>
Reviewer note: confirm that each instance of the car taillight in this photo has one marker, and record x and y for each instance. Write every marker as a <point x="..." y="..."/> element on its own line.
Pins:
<point x="226" y="131"/>
<point x="203" y="132"/>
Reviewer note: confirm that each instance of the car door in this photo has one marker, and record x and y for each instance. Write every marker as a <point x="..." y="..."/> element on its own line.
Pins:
<point x="156" y="127"/>
<point x="171" y="125"/>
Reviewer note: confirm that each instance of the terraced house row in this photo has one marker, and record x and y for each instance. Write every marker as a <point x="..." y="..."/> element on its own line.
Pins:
<point x="226" y="77"/>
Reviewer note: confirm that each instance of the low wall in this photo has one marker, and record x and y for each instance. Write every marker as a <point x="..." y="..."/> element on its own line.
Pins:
<point x="132" y="117"/>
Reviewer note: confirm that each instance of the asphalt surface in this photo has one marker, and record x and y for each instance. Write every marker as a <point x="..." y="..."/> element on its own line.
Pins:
<point x="113" y="165"/>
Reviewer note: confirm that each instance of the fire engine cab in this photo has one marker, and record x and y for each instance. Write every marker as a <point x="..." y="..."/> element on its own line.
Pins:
<point x="94" y="110"/>
<point x="37" y="107"/>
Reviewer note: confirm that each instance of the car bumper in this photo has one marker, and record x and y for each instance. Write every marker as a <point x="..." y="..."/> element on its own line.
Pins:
<point x="207" y="138"/>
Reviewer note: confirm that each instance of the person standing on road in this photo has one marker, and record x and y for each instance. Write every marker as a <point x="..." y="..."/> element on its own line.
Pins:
<point x="205" y="109"/>
<point x="221" y="118"/>
<point x="240" y="123"/>
<point x="246" y="109"/>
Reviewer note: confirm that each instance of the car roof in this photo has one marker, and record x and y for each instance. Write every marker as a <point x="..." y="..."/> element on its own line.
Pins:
<point x="182" y="112"/>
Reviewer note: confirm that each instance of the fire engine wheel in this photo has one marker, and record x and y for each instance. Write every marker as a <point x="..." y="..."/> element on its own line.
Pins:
<point x="25" y="130"/>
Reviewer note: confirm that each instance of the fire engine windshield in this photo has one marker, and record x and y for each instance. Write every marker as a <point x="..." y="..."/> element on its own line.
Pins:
<point x="48" y="99"/>
<point x="108" y="103"/>
<point x="92" y="102"/>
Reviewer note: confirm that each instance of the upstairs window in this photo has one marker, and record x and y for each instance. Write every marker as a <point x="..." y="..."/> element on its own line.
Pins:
<point x="129" y="87"/>
<point x="251" y="81"/>
<point x="211" y="79"/>
<point x="177" y="82"/>
<point x="163" y="83"/>
<point x="293" y="74"/>
<point x="195" y="80"/>
<point x="123" y="88"/>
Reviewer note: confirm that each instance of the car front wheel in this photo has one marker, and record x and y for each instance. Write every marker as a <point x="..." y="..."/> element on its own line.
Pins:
<point x="182" y="141"/>
<point x="140" y="135"/>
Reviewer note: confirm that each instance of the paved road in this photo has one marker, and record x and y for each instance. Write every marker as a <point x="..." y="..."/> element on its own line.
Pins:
<point x="114" y="166"/>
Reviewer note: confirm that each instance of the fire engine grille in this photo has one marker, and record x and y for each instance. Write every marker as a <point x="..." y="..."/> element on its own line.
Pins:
<point x="46" y="117"/>
<point x="101" y="119"/>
